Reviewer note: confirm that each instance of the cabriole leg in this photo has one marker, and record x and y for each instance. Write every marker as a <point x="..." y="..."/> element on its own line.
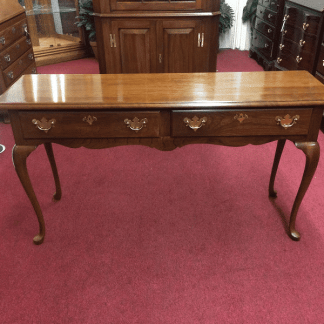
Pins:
<point x="19" y="157"/>
<point x="312" y="152"/>
<point x="280" y="147"/>
<point x="49" y="150"/>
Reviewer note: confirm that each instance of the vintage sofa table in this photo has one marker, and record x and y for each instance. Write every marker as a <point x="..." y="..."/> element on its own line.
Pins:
<point x="165" y="111"/>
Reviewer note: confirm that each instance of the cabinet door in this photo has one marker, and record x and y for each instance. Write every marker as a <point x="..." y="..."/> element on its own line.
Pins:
<point x="134" y="46"/>
<point x="180" y="46"/>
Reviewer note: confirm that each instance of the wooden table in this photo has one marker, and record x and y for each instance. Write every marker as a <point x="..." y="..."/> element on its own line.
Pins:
<point x="165" y="111"/>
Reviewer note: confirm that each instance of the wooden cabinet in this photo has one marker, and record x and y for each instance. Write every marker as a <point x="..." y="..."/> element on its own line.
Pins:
<point x="143" y="37"/>
<point x="265" y="32"/>
<point x="16" y="53"/>
<point x="301" y="36"/>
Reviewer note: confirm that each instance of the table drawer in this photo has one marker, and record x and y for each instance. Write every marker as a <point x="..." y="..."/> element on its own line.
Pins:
<point x="89" y="124"/>
<point x="240" y="123"/>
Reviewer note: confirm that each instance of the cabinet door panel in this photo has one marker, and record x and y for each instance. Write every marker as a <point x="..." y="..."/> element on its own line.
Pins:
<point x="180" y="40"/>
<point x="135" y="42"/>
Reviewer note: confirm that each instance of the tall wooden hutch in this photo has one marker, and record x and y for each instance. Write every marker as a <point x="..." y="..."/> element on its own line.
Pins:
<point x="145" y="36"/>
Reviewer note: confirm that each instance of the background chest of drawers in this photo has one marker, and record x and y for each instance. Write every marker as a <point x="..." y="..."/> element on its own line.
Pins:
<point x="16" y="53"/>
<point x="265" y="32"/>
<point x="301" y="36"/>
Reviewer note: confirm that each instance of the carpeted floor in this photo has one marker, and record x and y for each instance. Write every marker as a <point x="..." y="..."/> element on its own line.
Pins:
<point x="142" y="236"/>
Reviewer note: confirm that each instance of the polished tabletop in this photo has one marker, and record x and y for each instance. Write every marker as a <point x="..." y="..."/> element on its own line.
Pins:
<point x="196" y="90"/>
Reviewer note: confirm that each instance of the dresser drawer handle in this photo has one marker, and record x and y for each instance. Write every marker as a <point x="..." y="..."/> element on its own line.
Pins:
<point x="266" y="45"/>
<point x="195" y="123"/>
<point x="301" y="43"/>
<point x="305" y="26"/>
<point x="44" y="124"/>
<point x="298" y="59"/>
<point x="28" y="41"/>
<point x="90" y="119"/>
<point x="136" y="124"/>
<point x="269" y="16"/>
<point x="281" y="46"/>
<point x="279" y="60"/>
<point x="241" y="117"/>
<point x="7" y="57"/>
<point x="10" y="75"/>
<point x="287" y="121"/>
<point x="31" y="56"/>
<point x="269" y="30"/>
<point x="2" y="40"/>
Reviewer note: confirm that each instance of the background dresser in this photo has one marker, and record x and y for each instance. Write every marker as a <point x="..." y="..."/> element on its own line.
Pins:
<point x="143" y="36"/>
<point x="265" y="32"/>
<point x="301" y="36"/>
<point x="16" y="53"/>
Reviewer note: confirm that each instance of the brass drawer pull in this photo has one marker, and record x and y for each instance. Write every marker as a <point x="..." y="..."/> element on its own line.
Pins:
<point x="10" y="75"/>
<point x="279" y="60"/>
<point x="298" y="59"/>
<point x="28" y="41"/>
<point x="281" y="46"/>
<point x="287" y="121"/>
<point x="2" y="40"/>
<point x="305" y="26"/>
<point x="44" y="124"/>
<point x="195" y="123"/>
<point x="90" y="119"/>
<point x="136" y="125"/>
<point x="269" y="31"/>
<point x="241" y="117"/>
<point x="7" y="57"/>
<point x="31" y="56"/>
<point x="301" y="43"/>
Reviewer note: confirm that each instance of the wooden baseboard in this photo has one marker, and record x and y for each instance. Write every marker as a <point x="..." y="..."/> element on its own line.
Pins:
<point x="61" y="54"/>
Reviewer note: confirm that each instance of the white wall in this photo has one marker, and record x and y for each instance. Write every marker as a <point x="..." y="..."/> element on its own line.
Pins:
<point x="239" y="35"/>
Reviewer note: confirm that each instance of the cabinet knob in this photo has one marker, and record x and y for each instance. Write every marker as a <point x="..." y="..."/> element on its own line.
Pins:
<point x="269" y="30"/>
<point x="10" y="75"/>
<point x="7" y="57"/>
<point x="2" y="40"/>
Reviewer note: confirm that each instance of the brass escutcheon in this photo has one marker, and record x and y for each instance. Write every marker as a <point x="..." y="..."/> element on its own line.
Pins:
<point x="287" y="121"/>
<point x="90" y="119"/>
<point x="195" y="123"/>
<point x="241" y="117"/>
<point x="136" y="124"/>
<point x="44" y="124"/>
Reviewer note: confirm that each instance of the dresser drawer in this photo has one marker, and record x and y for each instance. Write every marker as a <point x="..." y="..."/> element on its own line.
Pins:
<point x="266" y="15"/>
<point x="299" y="36"/>
<point x="271" y="4"/>
<point x="264" y="28"/>
<point x="9" y="55"/>
<point x="14" y="71"/>
<point x="263" y="44"/>
<point x="239" y="123"/>
<point x="12" y="33"/>
<point x="302" y="19"/>
<point x="320" y="64"/>
<point x="90" y="124"/>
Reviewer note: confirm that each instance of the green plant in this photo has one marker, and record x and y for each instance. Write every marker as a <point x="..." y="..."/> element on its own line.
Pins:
<point x="86" y="19"/>
<point x="249" y="11"/>
<point x="227" y="17"/>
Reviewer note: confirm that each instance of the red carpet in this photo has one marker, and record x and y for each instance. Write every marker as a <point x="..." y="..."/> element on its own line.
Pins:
<point x="150" y="237"/>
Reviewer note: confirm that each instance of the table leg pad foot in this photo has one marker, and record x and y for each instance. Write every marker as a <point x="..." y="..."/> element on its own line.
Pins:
<point x="294" y="235"/>
<point x="38" y="239"/>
